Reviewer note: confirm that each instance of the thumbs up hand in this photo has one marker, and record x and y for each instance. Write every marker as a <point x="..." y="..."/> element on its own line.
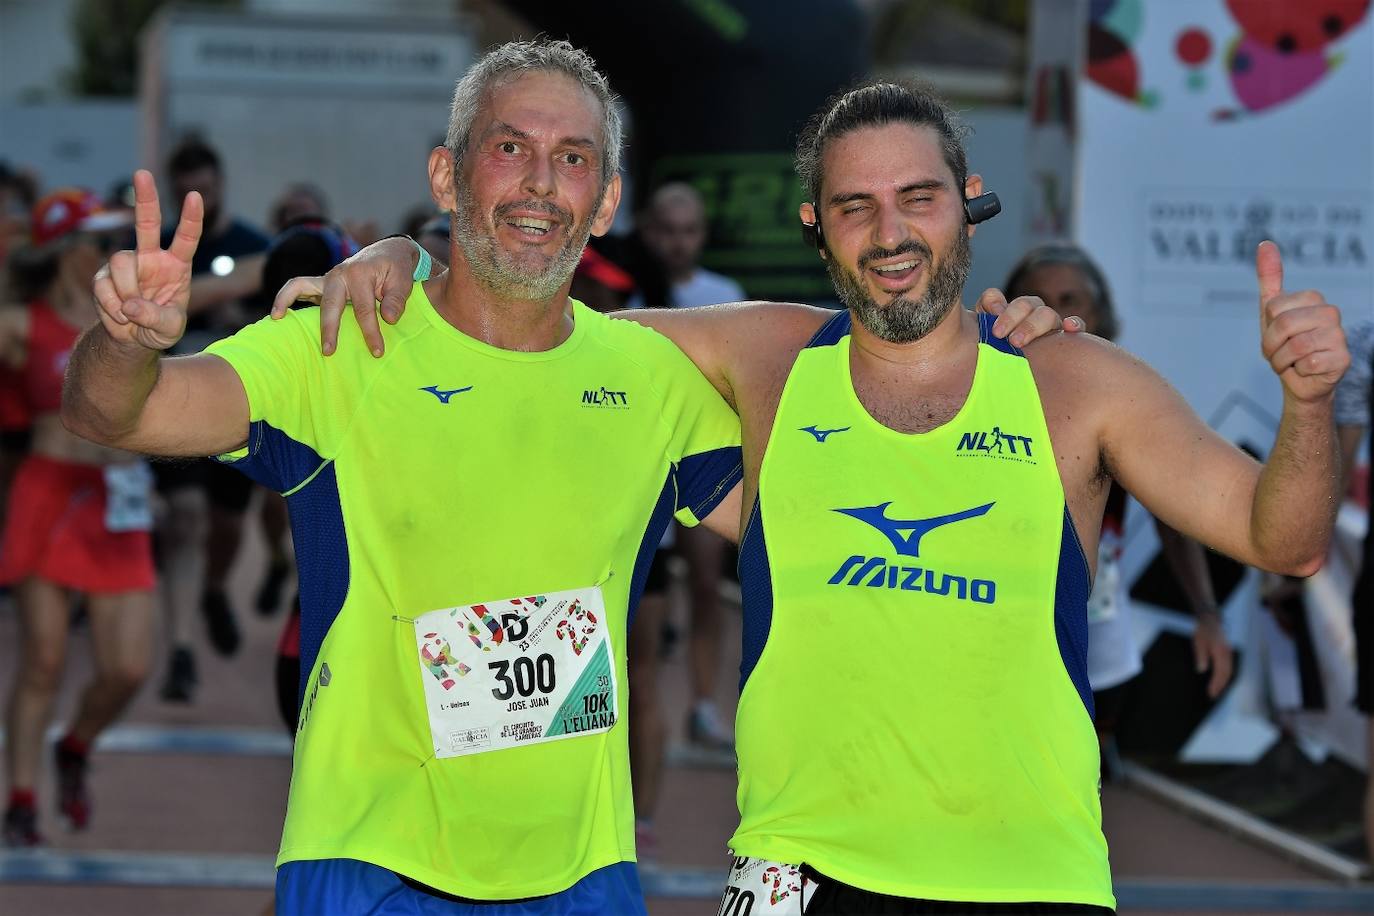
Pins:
<point x="1300" y="333"/>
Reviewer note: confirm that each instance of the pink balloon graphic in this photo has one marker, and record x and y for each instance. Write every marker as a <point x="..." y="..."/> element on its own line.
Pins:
<point x="1263" y="78"/>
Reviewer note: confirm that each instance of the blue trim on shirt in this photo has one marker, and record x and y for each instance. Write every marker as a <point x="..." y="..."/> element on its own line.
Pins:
<point x="276" y="460"/>
<point x="284" y="464"/>
<point x="756" y="593"/>
<point x="648" y="545"/>
<point x="985" y="323"/>
<point x="832" y="332"/>
<point x="706" y="478"/>
<point x="1071" y="589"/>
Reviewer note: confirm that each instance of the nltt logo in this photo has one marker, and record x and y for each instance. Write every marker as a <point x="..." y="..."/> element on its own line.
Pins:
<point x="604" y="397"/>
<point x="995" y="443"/>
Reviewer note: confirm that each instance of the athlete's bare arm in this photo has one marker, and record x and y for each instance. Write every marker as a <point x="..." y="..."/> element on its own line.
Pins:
<point x="119" y="390"/>
<point x="724" y="519"/>
<point x="1110" y="415"/>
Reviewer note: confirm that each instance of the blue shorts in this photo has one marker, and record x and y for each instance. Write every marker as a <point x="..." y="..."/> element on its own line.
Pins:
<point x="347" y="886"/>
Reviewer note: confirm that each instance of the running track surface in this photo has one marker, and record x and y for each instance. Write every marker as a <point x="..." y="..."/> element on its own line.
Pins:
<point x="207" y="814"/>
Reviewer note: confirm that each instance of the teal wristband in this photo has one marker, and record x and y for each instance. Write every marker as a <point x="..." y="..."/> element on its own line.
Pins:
<point x="424" y="265"/>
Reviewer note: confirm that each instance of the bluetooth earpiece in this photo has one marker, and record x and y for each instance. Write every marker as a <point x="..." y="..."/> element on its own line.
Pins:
<point x="982" y="208"/>
<point x="979" y="209"/>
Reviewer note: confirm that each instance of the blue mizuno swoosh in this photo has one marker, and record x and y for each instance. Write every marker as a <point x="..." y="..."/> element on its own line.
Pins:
<point x="443" y="395"/>
<point x="821" y="434"/>
<point x="909" y="544"/>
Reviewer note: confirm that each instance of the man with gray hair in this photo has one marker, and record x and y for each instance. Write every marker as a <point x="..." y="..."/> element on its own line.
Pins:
<point x="464" y="614"/>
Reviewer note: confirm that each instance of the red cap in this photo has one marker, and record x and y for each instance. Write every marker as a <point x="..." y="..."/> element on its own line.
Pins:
<point x="596" y="266"/>
<point x="70" y="210"/>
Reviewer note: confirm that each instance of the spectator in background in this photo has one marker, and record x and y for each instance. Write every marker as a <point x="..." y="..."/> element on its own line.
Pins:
<point x="206" y="503"/>
<point x="299" y="202"/>
<point x="1070" y="283"/>
<point x="78" y="523"/>
<point x="121" y="197"/>
<point x="433" y="237"/>
<point x="600" y="283"/>
<point x="16" y="200"/>
<point x="18" y="194"/>
<point x="1354" y="395"/>
<point x="673" y="227"/>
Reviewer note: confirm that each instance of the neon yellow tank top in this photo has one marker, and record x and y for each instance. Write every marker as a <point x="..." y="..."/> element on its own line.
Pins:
<point x="915" y="716"/>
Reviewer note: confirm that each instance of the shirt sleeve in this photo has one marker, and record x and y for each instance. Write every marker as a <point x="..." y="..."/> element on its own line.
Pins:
<point x="1353" y="390"/>
<point x="704" y="440"/>
<point x="282" y="370"/>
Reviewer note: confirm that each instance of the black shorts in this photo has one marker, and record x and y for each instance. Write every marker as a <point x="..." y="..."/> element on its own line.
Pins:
<point x="832" y="898"/>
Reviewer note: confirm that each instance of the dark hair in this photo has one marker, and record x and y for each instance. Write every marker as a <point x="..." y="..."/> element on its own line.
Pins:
<point x="1057" y="253"/>
<point x="875" y="103"/>
<point x="191" y="155"/>
<point x="306" y="248"/>
<point x="29" y="273"/>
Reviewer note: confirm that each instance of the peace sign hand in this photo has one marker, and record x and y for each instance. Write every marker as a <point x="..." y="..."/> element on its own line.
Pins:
<point x="143" y="294"/>
<point x="1300" y="333"/>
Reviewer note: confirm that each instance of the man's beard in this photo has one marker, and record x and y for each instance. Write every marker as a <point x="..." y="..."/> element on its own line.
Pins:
<point x="904" y="320"/>
<point x="501" y="271"/>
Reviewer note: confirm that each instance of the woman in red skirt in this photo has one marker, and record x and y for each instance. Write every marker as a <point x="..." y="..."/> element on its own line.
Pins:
<point x="77" y="520"/>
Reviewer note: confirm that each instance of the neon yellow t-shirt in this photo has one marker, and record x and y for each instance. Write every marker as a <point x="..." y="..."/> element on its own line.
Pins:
<point x="460" y="514"/>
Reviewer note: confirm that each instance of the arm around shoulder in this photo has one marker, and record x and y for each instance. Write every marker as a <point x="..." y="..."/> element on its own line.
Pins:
<point x="725" y="340"/>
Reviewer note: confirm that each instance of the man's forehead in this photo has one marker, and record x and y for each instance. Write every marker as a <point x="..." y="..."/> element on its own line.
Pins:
<point x="883" y="157"/>
<point x="540" y="104"/>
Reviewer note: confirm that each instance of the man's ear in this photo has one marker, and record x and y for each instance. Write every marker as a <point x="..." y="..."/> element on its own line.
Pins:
<point x="441" y="179"/>
<point x="605" y="212"/>
<point x="807" y="213"/>
<point x="973" y="187"/>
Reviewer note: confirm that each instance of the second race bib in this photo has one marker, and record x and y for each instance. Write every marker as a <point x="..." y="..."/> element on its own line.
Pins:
<point x="128" y="497"/>
<point x="517" y="671"/>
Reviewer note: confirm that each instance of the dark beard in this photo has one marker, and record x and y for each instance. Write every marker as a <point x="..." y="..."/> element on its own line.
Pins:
<point x="904" y="320"/>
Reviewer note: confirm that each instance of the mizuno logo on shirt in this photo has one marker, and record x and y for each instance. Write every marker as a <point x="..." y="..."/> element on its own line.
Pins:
<point x="822" y="434"/>
<point x="442" y="394"/>
<point x="906" y="534"/>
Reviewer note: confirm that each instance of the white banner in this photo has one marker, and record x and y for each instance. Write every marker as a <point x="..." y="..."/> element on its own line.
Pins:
<point x="1206" y="127"/>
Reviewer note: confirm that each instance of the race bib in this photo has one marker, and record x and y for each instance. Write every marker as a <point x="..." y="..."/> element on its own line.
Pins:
<point x="517" y="671"/>
<point x="760" y="886"/>
<point x="128" y="497"/>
